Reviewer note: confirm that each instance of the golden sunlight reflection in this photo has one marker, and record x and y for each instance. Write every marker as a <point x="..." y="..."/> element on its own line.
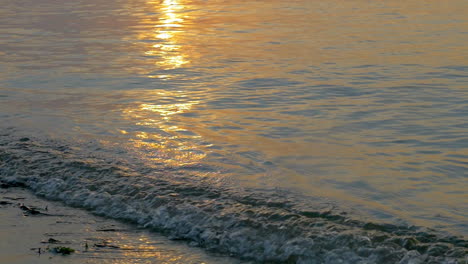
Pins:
<point x="147" y="249"/>
<point x="169" y="53"/>
<point x="169" y="144"/>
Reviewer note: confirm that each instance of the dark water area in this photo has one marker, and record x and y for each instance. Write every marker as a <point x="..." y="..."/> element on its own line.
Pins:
<point x="223" y="121"/>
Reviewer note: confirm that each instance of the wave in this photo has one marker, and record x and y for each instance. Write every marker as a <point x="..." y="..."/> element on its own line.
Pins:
<point x="248" y="224"/>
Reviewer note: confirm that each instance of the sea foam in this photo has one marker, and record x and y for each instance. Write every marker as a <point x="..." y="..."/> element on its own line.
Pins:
<point x="261" y="227"/>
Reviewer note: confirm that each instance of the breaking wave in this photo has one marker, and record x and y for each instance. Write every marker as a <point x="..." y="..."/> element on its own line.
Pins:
<point x="251" y="225"/>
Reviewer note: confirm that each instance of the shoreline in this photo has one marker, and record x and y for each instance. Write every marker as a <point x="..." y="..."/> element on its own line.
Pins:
<point x="31" y="236"/>
<point x="260" y="227"/>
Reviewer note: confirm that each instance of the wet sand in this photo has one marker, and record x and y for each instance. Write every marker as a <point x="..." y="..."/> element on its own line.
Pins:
<point x="29" y="236"/>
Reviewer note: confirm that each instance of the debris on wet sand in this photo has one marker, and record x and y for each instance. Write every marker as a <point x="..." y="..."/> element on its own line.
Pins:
<point x="70" y="235"/>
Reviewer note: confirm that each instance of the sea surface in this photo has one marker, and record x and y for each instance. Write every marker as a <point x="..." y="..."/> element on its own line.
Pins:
<point x="271" y="130"/>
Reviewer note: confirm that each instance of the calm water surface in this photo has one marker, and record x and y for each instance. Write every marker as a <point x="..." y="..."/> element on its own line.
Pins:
<point x="362" y="104"/>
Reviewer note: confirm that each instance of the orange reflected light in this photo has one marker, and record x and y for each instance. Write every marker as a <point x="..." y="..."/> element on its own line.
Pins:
<point x="159" y="140"/>
<point x="146" y="250"/>
<point x="169" y="109"/>
<point x="168" y="29"/>
<point x="171" y="148"/>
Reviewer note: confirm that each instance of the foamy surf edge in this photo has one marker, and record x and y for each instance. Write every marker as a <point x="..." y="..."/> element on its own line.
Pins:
<point x="246" y="225"/>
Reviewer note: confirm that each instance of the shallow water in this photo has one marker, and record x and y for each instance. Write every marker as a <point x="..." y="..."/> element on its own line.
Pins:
<point x="352" y="105"/>
<point x="96" y="240"/>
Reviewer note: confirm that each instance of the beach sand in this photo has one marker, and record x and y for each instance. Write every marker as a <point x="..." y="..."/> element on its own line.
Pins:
<point x="30" y="237"/>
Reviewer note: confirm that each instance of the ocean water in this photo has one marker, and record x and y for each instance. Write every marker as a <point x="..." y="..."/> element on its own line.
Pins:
<point x="301" y="131"/>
